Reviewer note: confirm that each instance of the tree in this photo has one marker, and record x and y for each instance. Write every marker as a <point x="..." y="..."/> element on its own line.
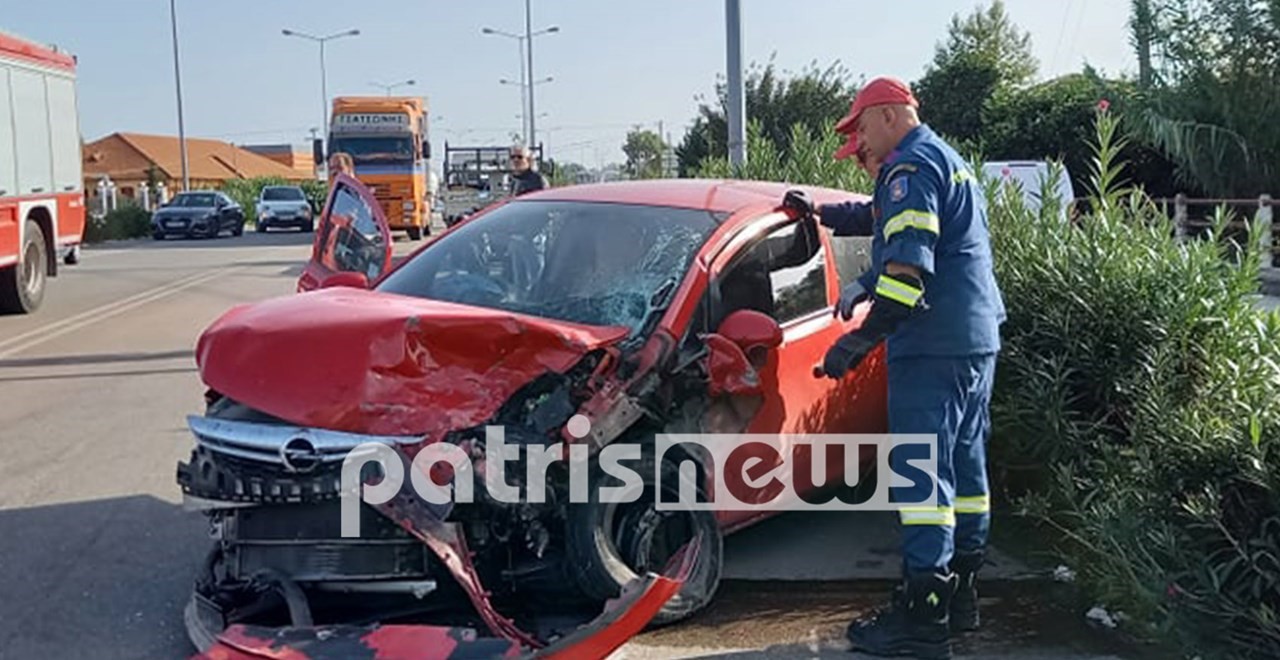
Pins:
<point x="1215" y="90"/>
<point x="644" y="150"/>
<point x="1052" y="120"/>
<point x="993" y="37"/>
<point x="814" y="99"/>
<point x="568" y="174"/>
<point x="984" y="55"/>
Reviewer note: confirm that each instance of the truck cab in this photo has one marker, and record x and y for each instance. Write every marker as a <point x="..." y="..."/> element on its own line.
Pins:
<point x="388" y="141"/>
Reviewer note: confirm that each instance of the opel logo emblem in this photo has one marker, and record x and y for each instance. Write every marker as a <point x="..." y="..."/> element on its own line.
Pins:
<point x="299" y="455"/>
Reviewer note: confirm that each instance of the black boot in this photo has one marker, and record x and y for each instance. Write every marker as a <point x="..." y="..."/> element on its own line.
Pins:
<point x="964" y="605"/>
<point x="915" y="623"/>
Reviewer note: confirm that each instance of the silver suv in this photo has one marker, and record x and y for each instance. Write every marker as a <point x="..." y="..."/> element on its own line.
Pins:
<point x="284" y="206"/>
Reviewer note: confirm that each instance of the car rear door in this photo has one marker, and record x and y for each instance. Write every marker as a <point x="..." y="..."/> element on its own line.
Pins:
<point x="352" y="235"/>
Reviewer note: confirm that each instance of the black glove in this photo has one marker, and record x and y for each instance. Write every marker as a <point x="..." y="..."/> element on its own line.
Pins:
<point x="846" y="354"/>
<point x="799" y="201"/>
<point x="887" y="313"/>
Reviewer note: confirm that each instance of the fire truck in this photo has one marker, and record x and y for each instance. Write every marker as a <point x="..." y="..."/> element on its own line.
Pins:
<point x="42" y="208"/>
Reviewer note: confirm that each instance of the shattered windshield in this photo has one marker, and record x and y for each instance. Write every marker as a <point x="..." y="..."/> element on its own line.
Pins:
<point x="590" y="263"/>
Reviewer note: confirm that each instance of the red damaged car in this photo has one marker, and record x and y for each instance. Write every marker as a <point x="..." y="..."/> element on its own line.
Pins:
<point x="642" y="307"/>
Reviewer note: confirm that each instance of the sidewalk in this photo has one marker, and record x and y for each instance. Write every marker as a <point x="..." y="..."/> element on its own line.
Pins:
<point x="793" y="583"/>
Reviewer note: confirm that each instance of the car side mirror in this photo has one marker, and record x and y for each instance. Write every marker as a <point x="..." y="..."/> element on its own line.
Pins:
<point x="349" y="279"/>
<point x="756" y="333"/>
<point x="739" y="350"/>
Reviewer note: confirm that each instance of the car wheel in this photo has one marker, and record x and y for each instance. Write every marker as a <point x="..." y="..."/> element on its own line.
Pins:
<point x="22" y="287"/>
<point x="611" y="544"/>
<point x="309" y="227"/>
<point x="260" y="227"/>
<point x="73" y="256"/>
<point x="157" y="235"/>
<point x="239" y="230"/>
<point x="415" y="233"/>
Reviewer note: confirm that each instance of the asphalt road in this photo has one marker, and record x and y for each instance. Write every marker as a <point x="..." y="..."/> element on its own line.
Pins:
<point x="97" y="555"/>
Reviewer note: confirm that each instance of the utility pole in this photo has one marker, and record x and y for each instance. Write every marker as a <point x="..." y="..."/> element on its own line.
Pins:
<point x="737" y="100"/>
<point x="324" y="79"/>
<point x="526" y="72"/>
<point x="177" y="77"/>
<point x="529" y="51"/>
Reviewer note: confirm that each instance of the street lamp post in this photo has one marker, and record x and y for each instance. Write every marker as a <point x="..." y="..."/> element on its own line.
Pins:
<point x="392" y="86"/>
<point x="737" y="106"/>
<point x="177" y="78"/>
<point x="324" y="85"/>
<point x="526" y="69"/>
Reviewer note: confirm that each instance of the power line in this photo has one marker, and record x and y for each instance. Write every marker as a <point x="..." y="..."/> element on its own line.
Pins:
<point x="1066" y="14"/>
<point x="1075" y="37"/>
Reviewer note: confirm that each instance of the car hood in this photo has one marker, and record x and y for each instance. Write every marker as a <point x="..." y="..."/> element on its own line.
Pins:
<point x="378" y="363"/>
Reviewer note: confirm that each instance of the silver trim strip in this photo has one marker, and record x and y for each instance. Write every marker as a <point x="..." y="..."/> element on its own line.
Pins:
<point x="263" y="442"/>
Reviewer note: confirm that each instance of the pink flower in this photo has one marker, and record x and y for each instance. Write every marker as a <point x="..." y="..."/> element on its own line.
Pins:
<point x="1103" y="105"/>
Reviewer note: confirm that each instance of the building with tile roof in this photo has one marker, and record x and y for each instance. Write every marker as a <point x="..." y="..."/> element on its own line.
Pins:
<point x="132" y="159"/>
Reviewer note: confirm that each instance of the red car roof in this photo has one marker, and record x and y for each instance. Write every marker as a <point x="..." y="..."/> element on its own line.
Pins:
<point x="724" y="196"/>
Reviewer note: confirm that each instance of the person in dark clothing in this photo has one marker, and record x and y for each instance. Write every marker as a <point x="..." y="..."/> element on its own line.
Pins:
<point x="525" y="179"/>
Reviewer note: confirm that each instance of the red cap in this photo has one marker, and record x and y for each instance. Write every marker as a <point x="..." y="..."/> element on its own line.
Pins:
<point x="880" y="91"/>
<point x="849" y="148"/>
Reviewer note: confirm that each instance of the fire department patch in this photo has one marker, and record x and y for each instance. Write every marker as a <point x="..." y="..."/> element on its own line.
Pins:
<point x="898" y="189"/>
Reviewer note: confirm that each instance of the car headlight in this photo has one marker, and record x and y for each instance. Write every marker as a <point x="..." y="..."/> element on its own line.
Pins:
<point x="408" y="206"/>
<point x="265" y="213"/>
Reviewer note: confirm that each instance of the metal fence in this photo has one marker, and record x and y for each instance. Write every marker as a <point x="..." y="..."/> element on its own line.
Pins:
<point x="1194" y="216"/>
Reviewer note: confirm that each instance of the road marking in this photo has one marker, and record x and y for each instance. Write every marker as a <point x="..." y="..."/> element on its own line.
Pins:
<point x="26" y="340"/>
<point x="99" y="309"/>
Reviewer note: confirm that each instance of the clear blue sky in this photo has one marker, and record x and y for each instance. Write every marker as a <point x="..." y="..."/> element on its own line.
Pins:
<point x="615" y="64"/>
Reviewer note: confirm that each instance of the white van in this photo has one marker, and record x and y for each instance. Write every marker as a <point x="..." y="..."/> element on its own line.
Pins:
<point x="1028" y="177"/>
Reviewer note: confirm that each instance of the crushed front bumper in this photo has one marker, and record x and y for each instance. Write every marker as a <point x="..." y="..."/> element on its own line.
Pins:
<point x="272" y="493"/>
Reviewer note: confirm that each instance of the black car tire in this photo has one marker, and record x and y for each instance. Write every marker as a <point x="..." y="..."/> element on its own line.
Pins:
<point x="73" y="256"/>
<point x="239" y="230"/>
<point x="309" y="227"/>
<point x="260" y="226"/>
<point x="157" y="235"/>
<point x="415" y="233"/>
<point x="22" y="287"/>
<point x="593" y="529"/>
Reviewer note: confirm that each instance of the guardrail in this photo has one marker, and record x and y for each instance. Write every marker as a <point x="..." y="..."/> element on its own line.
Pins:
<point x="1263" y="211"/>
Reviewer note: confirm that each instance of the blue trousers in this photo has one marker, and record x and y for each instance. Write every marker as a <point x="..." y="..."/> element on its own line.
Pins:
<point x="949" y="397"/>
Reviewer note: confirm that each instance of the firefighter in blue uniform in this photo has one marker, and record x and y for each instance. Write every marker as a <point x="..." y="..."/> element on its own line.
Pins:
<point x="935" y="301"/>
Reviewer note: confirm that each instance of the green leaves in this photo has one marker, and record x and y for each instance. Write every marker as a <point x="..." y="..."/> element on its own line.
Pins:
<point x="1135" y="406"/>
<point x="809" y="161"/>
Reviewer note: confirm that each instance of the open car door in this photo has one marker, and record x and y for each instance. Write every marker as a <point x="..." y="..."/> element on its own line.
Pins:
<point x="352" y="242"/>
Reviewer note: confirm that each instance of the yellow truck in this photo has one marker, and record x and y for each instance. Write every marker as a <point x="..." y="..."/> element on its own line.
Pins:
<point x="387" y="138"/>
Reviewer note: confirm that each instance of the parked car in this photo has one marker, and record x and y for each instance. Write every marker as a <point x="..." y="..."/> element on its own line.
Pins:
<point x="284" y="206"/>
<point x="1028" y="179"/>
<point x="205" y="213"/>
<point x="643" y="307"/>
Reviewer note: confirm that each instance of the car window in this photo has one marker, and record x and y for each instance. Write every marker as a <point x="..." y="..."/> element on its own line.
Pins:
<point x="201" y="200"/>
<point x="357" y="243"/>
<point x="282" y="195"/>
<point x="590" y="263"/>
<point x="783" y="275"/>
